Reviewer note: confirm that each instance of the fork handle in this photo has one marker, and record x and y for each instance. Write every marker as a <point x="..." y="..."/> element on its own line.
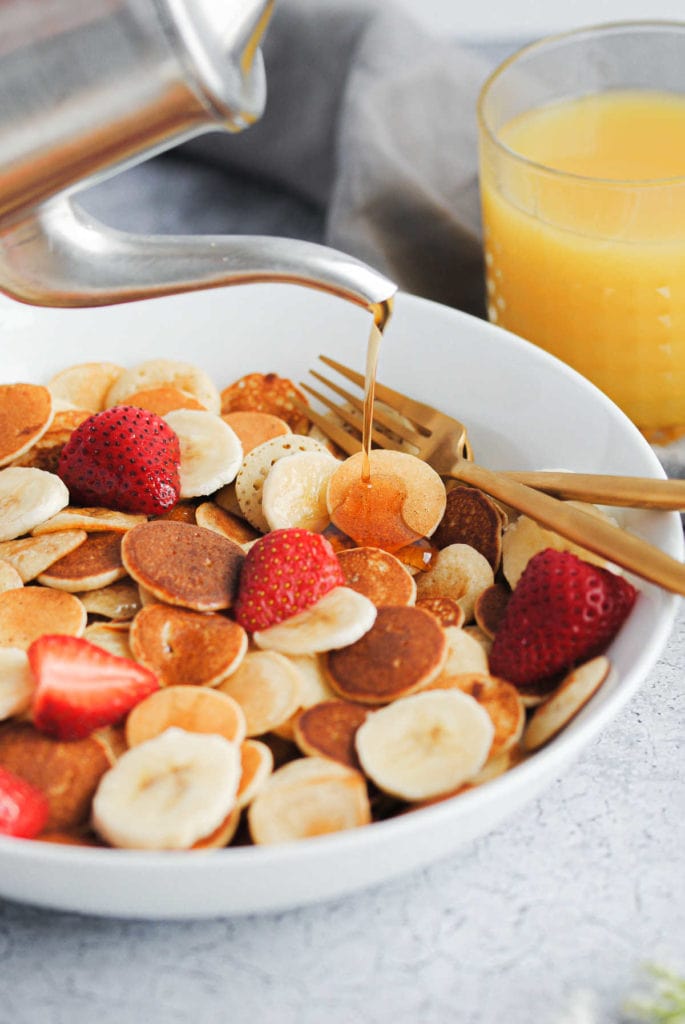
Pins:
<point x="603" y="538"/>
<point x="627" y="491"/>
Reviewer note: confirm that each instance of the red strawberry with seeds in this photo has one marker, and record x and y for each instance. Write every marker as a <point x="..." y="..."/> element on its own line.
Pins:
<point x="81" y="687"/>
<point x="284" y="573"/>
<point x="562" y="611"/>
<point x="23" y="808"/>
<point x="125" y="459"/>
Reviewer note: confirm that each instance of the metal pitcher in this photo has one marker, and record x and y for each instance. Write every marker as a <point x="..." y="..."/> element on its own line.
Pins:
<point x="89" y="88"/>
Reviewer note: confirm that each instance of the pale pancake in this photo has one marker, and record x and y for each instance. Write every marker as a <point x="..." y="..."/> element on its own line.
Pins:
<point x="404" y="650"/>
<point x="9" y="577"/>
<point x="565" y="702"/>
<point x="25" y="414"/>
<point x="31" y="556"/>
<point x="119" y="601"/>
<point x="33" y="611"/>
<point x="459" y="572"/>
<point x="92" y="520"/>
<point x="184" y="565"/>
<point x="378" y="575"/>
<point x="92" y="565"/>
<point x="112" y="636"/>
<point x="186" y="647"/>
<point x="267" y="687"/>
<point x="85" y="385"/>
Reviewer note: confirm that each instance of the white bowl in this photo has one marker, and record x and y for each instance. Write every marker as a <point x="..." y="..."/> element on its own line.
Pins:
<point x="523" y="410"/>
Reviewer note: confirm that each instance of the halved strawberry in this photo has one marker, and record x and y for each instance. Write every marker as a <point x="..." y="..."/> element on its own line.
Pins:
<point x="81" y="687"/>
<point x="562" y="611"/>
<point x="285" y="572"/>
<point x="23" y="808"/>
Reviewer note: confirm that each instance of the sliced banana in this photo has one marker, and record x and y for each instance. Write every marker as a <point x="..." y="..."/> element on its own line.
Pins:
<point x="425" y="744"/>
<point x="257" y="465"/>
<point x="16" y="682"/>
<point x="294" y="492"/>
<point x="310" y="796"/>
<point x="168" y="792"/>
<point x="339" y="618"/>
<point x="28" y="497"/>
<point x="173" y="372"/>
<point x="211" y="452"/>
<point x="524" y="538"/>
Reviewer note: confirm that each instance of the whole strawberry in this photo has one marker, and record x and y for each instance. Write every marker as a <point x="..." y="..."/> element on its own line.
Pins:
<point x="285" y="572"/>
<point x="125" y="459"/>
<point x="562" y="611"/>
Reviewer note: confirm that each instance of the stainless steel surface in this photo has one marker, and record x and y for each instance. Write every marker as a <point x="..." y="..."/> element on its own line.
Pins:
<point x="89" y="89"/>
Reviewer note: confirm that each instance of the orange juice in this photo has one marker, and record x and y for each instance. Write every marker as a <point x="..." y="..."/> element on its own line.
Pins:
<point x="584" y="233"/>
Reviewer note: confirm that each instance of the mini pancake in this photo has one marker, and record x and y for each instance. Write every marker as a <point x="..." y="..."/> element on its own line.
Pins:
<point x="499" y="698"/>
<point x="215" y="518"/>
<point x="256" y="764"/>
<point x="193" y="708"/>
<point x="68" y="772"/>
<point x="112" y="636"/>
<point x="464" y="654"/>
<point x="222" y="835"/>
<point x="267" y="392"/>
<point x="445" y="609"/>
<point x="310" y="796"/>
<point x="267" y="687"/>
<point x="184" y="565"/>
<point x="477" y="634"/>
<point x="92" y="520"/>
<point x="186" y="647"/>
<point x="9" y="577"/>
<point x="403" y="502"/>
<point x="328" y="729"/>
<point x="119" y="601"/>
<point x="25" y="414"/>
<point x="378" y="575"/>
<point x="92" y="565"/>
<point x="85" y="385"/>
<point x="459" y="572"/>
<point x="565" y="702"/>
<point x="162" y="400"/>
<point x="45" y="452"/>
<point x="227" y="499"/>
<point x="253" y="428"/>
<point x="32" y="611"/>
<point x="472" y="518"/>
<point x="154" y="373"/>
<point x="31" y="556"/>
<point x="489" y="607"/>
<point x="182" y="512"/>
<point x="404" y="650"/>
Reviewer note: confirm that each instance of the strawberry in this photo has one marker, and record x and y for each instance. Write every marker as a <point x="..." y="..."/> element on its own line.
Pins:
<point x="123" y="458"/>
<point x="80" y="687"/>
<point x="562" y="611"/>
<point x="285" y="572"/>
<point x="23" y="808"/>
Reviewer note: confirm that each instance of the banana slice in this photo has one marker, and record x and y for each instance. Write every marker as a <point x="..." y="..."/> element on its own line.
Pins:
<point x="168" y="792"/>
<point x="165" y="372"/>
<point x="211" y="452"/>
<point x="16" y="682"/>
<point x="339" y="618"/>
<point x="257" y="465"/>
<point x="524" y="538"/>
<point x="28" y="497"/>
<point x="294" y="492"/>
<point x="425" y="744"/>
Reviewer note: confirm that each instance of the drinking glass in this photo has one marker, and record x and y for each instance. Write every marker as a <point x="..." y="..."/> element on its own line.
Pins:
<point x="582" y="173"/>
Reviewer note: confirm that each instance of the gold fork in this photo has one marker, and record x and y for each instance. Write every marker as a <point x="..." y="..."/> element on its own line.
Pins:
<point x="443" y="442"/>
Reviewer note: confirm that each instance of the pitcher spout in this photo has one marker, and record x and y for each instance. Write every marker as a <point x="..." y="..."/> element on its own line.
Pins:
<point x="61" y="256"/>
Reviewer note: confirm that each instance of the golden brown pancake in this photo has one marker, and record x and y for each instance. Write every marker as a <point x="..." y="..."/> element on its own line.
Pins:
<point x="328" y="729"/>
<point x="256" y="765"/>
<point x="445" y="609"/>
<point x="186" y="647"/>
<point x="213" y="517"/>
<point x="163" y="399"/>
<point x="473" y="518"/>
<point x="254" y="428"/>
<point x="489" y="607"/>
<point x="267" y="392"/>
<point x="93" y="564"/>
<point x="377" y="575"/>
<point x="403" y="651"/>
<point x="45" y="452"/>
<point x="68" y="772"/>
<point x="30" y="612"/>
<point x="182" y="512"/>
<point x="193" y="708"/>
<point x="184" y="565"/>
<point x="25" y="414"/>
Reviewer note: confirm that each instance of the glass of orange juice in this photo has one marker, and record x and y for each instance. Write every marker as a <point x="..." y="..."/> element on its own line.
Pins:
<point x="582" y="173"/>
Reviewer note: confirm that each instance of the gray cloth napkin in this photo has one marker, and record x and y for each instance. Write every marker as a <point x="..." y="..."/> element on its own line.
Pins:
<point x="374" y="120"/>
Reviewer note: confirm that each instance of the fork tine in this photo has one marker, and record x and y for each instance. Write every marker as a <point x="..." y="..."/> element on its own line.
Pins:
<point x="349" y="417"/>
<point x="416" y="411"/>
<point x="348" y="442"/>
<point x="379" y="416"/>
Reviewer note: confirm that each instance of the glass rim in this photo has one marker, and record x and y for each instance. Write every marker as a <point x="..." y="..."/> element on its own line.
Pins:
<point x="560" y="37"/>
